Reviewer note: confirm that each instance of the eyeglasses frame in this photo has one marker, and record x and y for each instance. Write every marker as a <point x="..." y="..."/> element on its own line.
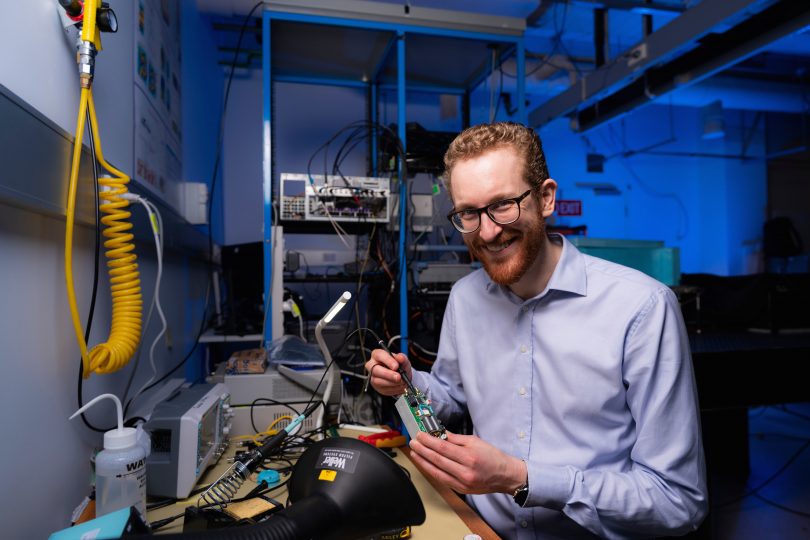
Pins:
<point x="486" y="209"/>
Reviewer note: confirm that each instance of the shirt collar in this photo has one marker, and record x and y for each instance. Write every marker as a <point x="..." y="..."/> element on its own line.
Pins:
<point x="569" y="275"/>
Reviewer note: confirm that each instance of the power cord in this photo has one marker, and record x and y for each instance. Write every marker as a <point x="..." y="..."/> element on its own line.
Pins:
<point x="214" y="175"/>
<point x="93" y="295"/>
<point x="156" y="223"/>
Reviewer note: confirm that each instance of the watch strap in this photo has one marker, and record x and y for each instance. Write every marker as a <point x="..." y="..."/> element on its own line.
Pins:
<point x="521" y="494"/>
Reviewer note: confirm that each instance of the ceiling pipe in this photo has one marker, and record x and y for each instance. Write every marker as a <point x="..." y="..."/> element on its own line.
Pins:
<point x="743" y="94"/>
<point x="702" y="42"/>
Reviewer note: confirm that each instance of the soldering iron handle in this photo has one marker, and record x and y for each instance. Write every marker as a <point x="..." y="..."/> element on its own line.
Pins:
<point x="272" y="444"/>
<point x="309" y="410"/>
<point x="400" y="370"/>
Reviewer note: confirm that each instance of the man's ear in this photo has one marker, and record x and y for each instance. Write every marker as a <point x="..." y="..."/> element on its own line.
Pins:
<point x="548" y="196"/>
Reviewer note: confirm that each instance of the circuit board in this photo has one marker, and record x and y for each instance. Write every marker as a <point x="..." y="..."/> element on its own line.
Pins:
<point x="417" y="414"/>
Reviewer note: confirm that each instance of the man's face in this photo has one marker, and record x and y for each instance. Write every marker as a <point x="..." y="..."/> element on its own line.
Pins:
<point x="505" y="251"/>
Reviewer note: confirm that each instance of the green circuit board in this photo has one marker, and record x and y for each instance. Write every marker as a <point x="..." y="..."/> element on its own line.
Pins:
<point x="416" y="412"/>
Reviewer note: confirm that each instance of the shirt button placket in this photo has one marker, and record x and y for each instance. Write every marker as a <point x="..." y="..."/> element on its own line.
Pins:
<point x="523" y="374"/>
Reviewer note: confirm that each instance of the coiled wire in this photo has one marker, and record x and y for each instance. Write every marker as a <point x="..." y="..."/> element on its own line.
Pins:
<point x="221" y="492"/>
<point x="125" y="285"/>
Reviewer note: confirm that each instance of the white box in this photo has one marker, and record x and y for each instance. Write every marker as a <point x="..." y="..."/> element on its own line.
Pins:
<point x="194" y="198"/>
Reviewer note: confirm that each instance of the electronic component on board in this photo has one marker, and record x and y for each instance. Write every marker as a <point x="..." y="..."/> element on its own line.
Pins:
<point x="414" y="407"/>
<point x="417" y="414"/>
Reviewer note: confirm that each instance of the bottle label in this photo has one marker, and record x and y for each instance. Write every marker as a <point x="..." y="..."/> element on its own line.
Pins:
<point x="122" y="490"/>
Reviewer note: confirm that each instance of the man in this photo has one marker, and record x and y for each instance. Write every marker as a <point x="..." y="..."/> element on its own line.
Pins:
<point x="575" y="371"/>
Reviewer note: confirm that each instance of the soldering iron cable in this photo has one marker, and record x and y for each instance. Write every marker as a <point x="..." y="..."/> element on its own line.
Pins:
<point x="127" y="302"/>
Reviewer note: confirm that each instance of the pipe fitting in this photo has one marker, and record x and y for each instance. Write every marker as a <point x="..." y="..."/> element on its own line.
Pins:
<point x="86" y="58"/>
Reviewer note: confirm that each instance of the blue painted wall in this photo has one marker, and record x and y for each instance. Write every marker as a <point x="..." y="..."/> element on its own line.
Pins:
<point x="699" y="196"/>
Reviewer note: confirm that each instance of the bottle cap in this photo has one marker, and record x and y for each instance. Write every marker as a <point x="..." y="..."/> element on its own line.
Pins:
<point x="120" y="438"/>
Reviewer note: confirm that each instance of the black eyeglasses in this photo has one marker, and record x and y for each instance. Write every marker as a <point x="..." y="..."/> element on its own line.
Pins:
<point x="502" y="212"/>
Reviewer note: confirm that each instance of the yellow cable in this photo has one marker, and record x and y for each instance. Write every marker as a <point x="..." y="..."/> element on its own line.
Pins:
<point x="269" y="432"/>
<point x="127" y="302"/>
<point x="277" y="420"/>
<point x="89" y="20"/>
<point x="125" y="284"/>
<point x="71" y="210"/>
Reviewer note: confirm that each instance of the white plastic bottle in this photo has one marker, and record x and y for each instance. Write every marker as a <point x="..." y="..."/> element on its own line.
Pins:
<point x="120" y="467"/>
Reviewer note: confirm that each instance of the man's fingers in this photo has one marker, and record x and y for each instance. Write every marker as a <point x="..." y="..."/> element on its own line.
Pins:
<point x="441" y="453"/>
<point x="382" y="374"/>
<point x="383" y="358"/>
<point x="452" y="448"/>
<point x="437" y="473"/>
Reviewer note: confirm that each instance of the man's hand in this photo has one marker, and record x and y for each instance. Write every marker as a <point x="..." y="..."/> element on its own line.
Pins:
<point x="468" y="464"/>
<point x="382" y="372"/>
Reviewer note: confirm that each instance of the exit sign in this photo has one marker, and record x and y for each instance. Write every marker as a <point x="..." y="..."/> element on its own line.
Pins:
<point x="569" y="208"/>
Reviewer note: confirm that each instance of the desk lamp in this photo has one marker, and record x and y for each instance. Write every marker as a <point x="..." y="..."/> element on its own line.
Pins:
<point x="327" y="356"/>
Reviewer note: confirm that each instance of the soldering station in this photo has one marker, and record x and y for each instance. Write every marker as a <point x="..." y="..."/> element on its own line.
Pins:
<point x="213" y="213"/>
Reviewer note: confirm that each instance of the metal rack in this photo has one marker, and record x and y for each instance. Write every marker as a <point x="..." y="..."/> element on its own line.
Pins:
<point x="354" y="43"/>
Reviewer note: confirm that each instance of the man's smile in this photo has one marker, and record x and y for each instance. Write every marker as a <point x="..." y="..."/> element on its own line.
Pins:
<point x="497" y="247"/>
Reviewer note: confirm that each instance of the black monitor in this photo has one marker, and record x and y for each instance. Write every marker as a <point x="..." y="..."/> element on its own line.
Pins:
<point x="243" y="288"/>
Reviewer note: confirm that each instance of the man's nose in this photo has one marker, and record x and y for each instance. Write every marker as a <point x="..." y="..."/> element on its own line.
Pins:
<point x="489" y="230"/>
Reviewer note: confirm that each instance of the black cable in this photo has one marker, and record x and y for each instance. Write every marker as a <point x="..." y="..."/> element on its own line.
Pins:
<point x="784" y="408"/>
<point x="320" y="382"/>
<point x="221" y="133"/>
<point x="175" y="368"/>
<point x="93" y="295"/>
<point x="781" y="507"/>
<point x="362" y="338"/>
<point x="768" y="480"/>
<point x="214" y="175"/>
<point x="155" y="525"/>
<point x="274" y="402"/>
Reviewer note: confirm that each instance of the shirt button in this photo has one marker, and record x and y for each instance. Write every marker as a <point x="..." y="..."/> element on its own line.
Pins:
<point x="525" y="309"/>
<point x="524" y="523"/>
<point x="521" y="434"/>
<point x="522" y="391"/>
<point x="523" y="348"/>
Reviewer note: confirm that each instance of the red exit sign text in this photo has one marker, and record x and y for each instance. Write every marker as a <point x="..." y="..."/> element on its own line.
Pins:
<point x="569" y="208"/>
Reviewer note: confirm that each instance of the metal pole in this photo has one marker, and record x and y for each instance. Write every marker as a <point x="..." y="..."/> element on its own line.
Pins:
<point x="267" y="177"/>
<point x="403" y="194"/>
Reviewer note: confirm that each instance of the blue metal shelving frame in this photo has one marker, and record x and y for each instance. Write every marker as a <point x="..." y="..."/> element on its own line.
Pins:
<point x="399" y="33"/>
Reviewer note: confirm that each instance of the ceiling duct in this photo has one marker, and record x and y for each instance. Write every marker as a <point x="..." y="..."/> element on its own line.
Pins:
<point x="703" y="41"/>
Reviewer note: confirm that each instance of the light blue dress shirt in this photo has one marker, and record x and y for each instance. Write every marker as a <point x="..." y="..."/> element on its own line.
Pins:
<point x="591" y="384"/>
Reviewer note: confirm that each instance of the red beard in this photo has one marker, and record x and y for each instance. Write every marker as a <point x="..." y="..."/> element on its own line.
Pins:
<point x="508" y="269"/>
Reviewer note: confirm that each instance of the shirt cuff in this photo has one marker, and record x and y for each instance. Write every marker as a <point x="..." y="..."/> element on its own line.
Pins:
<point x="550" y="486"/>
<point x="420" y="380"/>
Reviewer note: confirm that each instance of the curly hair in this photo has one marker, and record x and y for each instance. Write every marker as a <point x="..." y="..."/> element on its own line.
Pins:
<point x="475" y="140"/>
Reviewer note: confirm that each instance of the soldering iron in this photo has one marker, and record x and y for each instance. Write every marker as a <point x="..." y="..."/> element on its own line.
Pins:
<point x="223" y="490"/>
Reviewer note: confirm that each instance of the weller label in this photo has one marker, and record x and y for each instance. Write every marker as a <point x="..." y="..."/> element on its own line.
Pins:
<point x="338" y="459"/>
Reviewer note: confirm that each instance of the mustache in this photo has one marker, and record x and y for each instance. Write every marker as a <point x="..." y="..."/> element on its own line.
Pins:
<point x="502" y="238"/>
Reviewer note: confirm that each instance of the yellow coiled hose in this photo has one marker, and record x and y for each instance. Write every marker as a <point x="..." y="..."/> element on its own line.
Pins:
<point x="125" y="285"/>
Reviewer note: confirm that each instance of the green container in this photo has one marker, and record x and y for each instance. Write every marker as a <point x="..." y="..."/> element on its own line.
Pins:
<point x="648" y="256"/>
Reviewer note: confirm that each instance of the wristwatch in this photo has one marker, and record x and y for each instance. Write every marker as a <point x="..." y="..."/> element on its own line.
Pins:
<point x="520" y="494"/>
